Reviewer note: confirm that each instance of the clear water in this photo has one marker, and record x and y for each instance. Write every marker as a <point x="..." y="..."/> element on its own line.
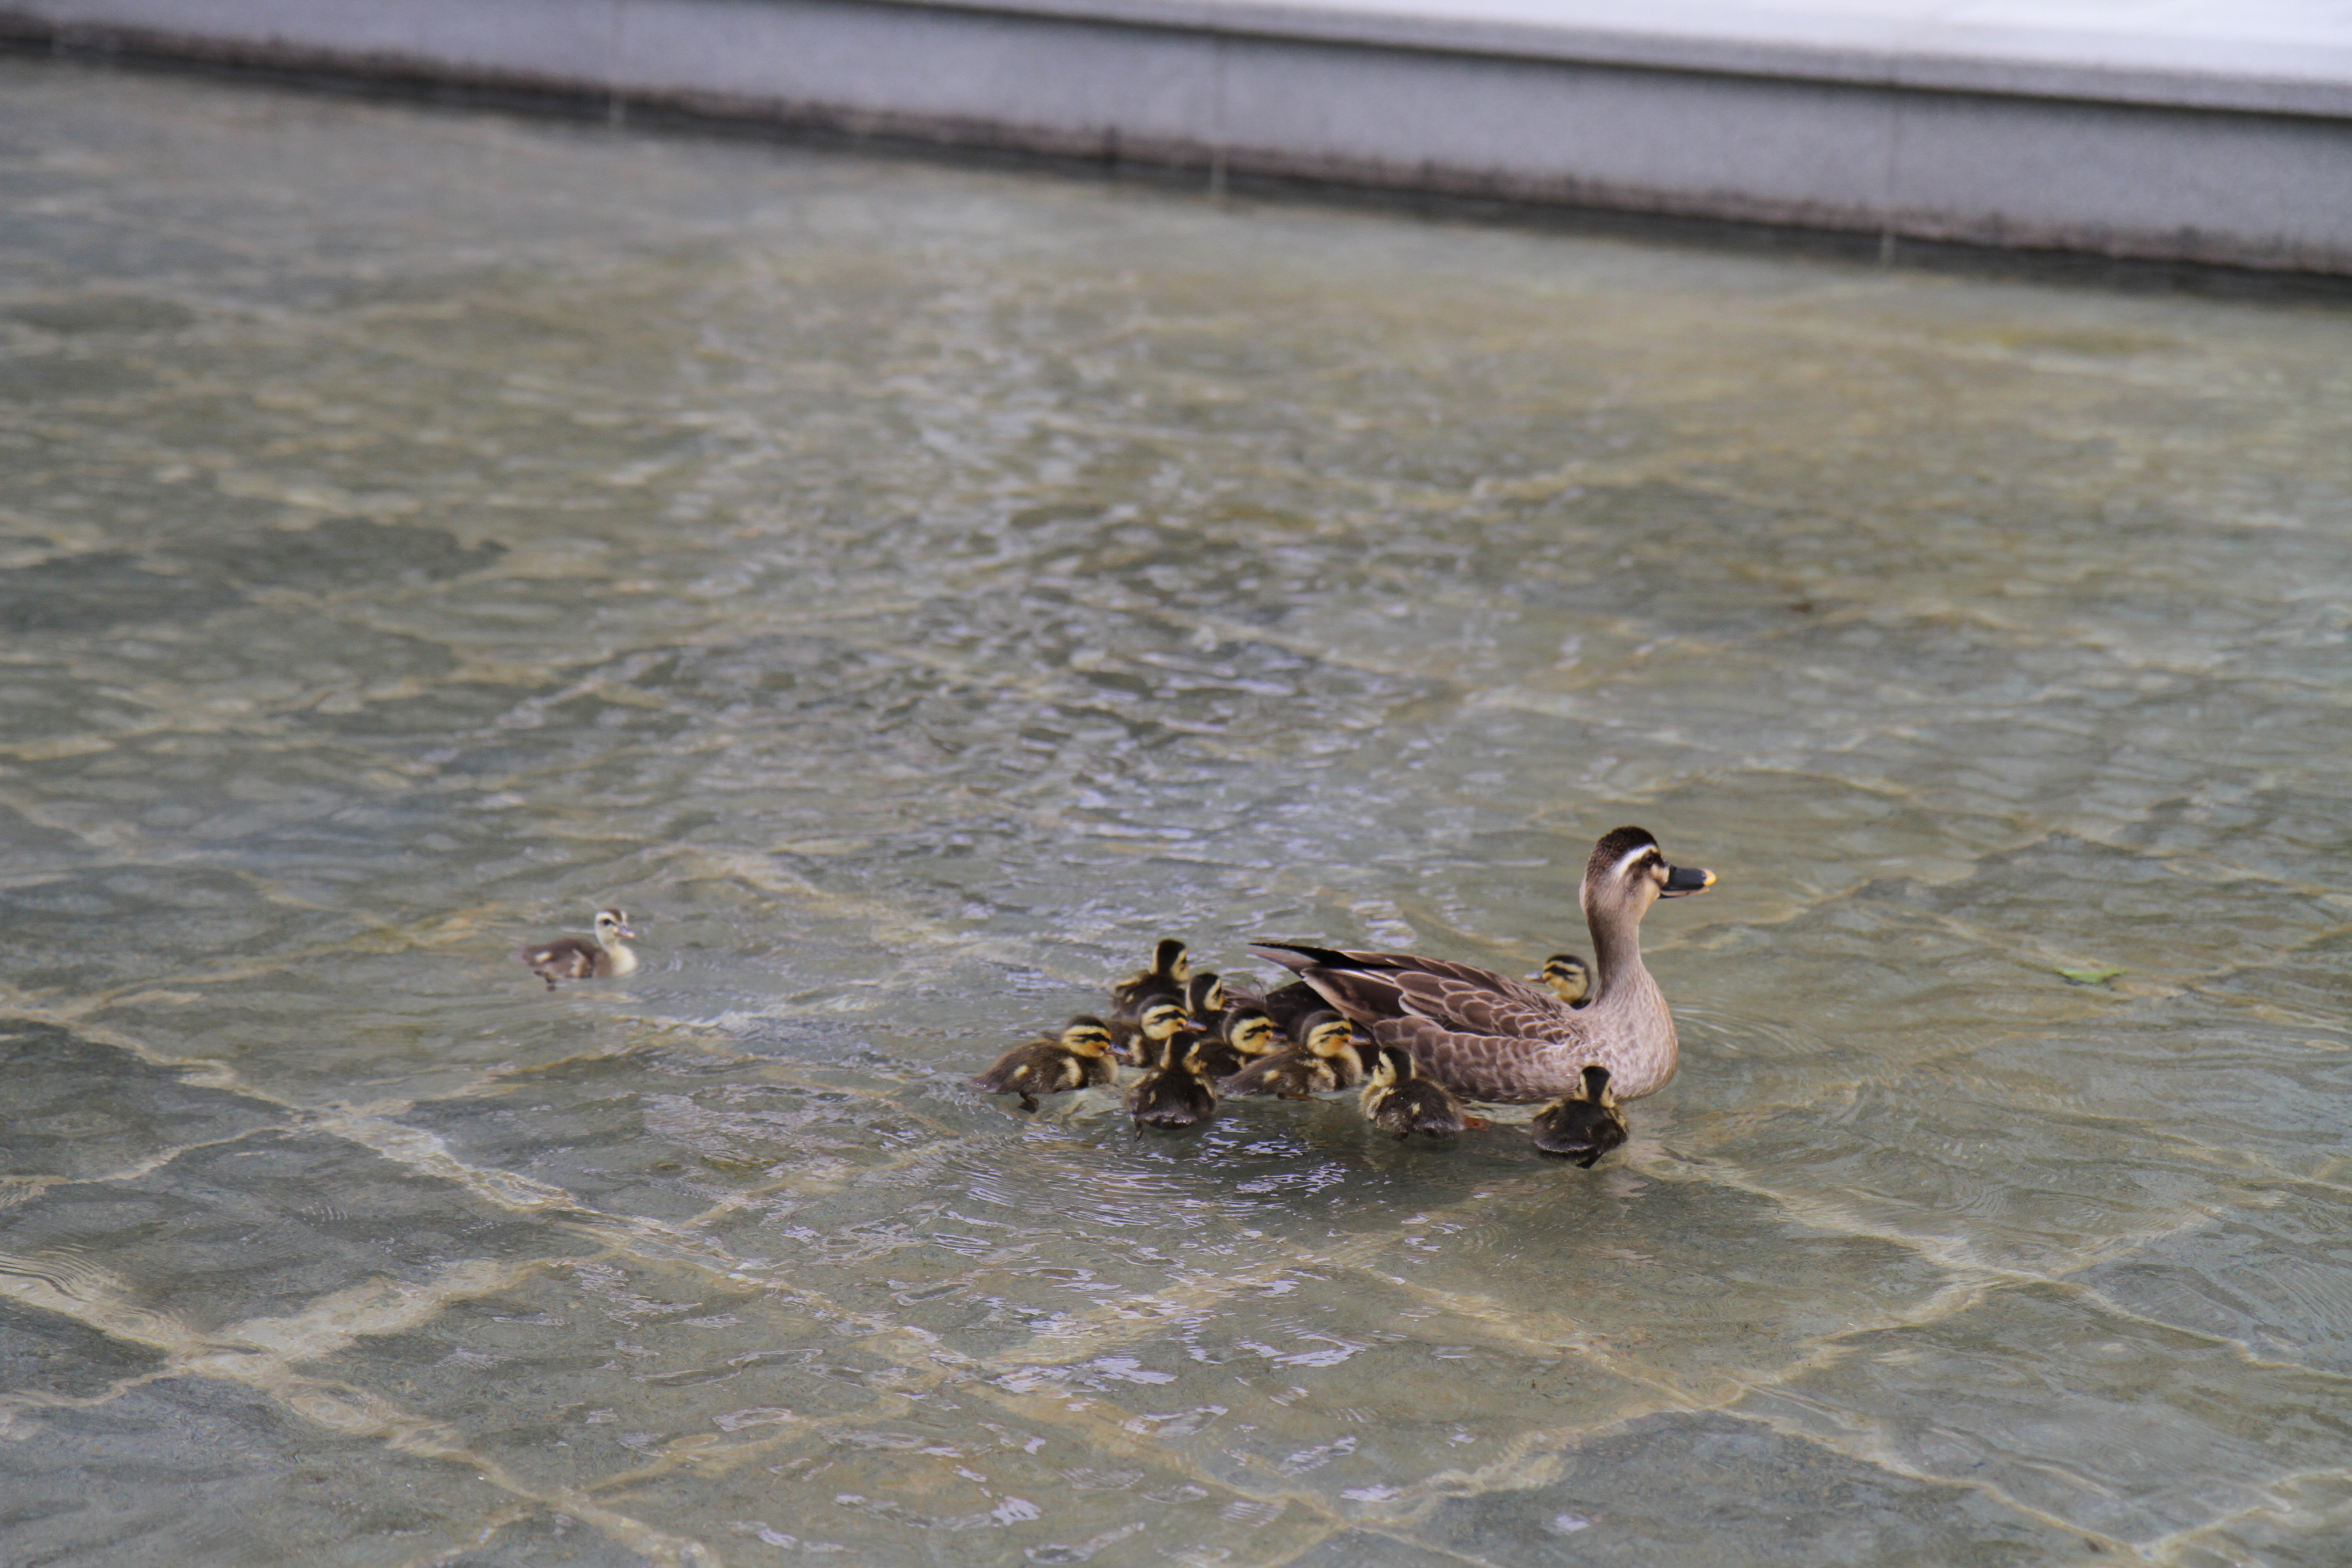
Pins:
<point x="910" y="590"/>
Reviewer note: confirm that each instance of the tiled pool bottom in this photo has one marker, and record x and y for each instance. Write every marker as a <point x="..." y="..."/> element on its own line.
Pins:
<point x="909" y="591"/>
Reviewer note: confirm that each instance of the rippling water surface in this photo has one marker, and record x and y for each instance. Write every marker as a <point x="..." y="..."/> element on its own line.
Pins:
<point x="910" y="591"/>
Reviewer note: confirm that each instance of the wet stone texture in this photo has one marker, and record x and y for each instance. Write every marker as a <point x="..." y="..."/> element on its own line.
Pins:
<point x="1706" y="1488"/>
<point x="180" y="1471"/>
<point x="909" y="591"/>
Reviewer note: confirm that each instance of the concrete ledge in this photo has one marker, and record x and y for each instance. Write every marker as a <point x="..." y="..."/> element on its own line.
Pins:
<point x="1862" y="119"/>
<point x="2247" y="56"/>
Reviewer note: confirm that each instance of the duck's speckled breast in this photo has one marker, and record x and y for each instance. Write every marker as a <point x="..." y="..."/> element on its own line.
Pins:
<point x="1636" y="1043"/>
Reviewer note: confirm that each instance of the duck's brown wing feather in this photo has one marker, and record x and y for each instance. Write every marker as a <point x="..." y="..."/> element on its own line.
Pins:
<point x="1510" y="1069"/>
<point x="1367" y="987"/>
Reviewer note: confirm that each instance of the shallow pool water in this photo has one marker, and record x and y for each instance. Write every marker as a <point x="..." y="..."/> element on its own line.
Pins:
<point x="909" y="590"/>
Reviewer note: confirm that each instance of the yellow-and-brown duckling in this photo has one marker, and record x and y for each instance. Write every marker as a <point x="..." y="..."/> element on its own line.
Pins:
<point x="1303" y="1025"/>
<point x="1487" y="1036"/>
<point x="1079" y="1058"/>
<point x="570" y="958"/>
<point x="1143" y="1042"/>
<point x="1242" y="1035"/>
<point x="1569" y="977"/>
<point x="1174" y="1096"/>
<point x="1140" y="992"/>
<point x="1164" y="976"/>
<point x="1584" y="1125"/>
<point x="1206" y="1003"/>
<point x="1204" y="1019"/>
<point x="1399" y="1101"/>
<point x="1325" y="1060"/>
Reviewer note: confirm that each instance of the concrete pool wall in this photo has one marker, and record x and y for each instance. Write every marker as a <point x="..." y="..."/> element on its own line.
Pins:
<point x="2170" y="133"/>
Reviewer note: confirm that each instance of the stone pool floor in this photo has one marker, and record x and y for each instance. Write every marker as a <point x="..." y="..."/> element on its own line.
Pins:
<point x="910" y="589"/>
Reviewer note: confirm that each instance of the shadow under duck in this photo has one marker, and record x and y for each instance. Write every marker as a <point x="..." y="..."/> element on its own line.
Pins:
<point x="1079" y="1058"/>
<point x="1487" y="1036"/>
<point x="1582" y="1126"/>
<point x="1323" y="1061"/>
<point x="1173" y="1097"/>
<point x="1398" y="1099"/>
<point x="570" y="958"/>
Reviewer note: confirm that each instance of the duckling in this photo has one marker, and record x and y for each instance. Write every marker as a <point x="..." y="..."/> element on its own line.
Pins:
<point x="1569" y="976"/>
<point x="1250" y="1031"/>
<point x="569" y="958"/>
<point x="1399" y="1099"/>
<point x="1288" y="1003"/>
<point x="1204" y="1017"/>
<point x="1144" y="1041"/>
<point x="1165" y="975"/>
<point x="1147" y="990"/>
<point x="1244" y="1035"/>
<point x="1174" y="1096"/>
<point x="1079" y="1058"/>
<point x="1584" y="1124"/>
<point x="1325" y="1060"/>
<point x="1206" y="1002"/>
<point x="1303" y="1025"/>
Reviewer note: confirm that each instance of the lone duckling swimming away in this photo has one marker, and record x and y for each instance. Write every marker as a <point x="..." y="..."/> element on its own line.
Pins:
<point x="570" y="958"/>
<point x="1584" y="1124"/>
<point x="1324" y="1060"/>
<point x="1400" y="1100"/>
<point x="1173" y="1097"/>
<point x="1079" y="1058"/>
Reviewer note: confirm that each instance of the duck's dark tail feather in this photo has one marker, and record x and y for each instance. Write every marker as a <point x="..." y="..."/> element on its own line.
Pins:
<point x="1315" y="957"/>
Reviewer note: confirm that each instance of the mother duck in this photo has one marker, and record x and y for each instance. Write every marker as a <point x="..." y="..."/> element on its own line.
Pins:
<point x="1488" y="1036"/>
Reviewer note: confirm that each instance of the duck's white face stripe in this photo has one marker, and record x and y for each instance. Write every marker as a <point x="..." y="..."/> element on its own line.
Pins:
<point x="1625" y="861"/>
